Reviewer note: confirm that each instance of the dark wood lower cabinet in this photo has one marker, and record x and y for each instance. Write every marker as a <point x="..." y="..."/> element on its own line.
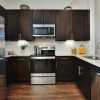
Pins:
<point x="9" y="74"/>
<point x="69" y="69"/>
<point x="18" y="70"/>
<point x="76" y="70"/>
<point x="84" y="78"/>
<point x="64" y="70"/>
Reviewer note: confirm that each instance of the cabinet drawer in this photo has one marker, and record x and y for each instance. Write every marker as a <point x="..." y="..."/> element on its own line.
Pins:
<point x="19" y="58"/>
<point x="42" y="80"/>
<point x="64" y="57"/>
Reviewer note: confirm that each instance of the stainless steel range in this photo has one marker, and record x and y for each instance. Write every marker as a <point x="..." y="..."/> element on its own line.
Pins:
<point x="43" y="65"/>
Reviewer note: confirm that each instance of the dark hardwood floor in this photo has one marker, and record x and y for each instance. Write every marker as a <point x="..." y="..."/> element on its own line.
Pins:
<point x="60" y="91"/>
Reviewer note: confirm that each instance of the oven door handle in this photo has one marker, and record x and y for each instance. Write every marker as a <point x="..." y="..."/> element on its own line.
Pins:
<point x="42" y="57"/>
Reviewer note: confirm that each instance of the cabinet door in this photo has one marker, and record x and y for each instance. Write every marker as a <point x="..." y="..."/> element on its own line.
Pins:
<point x="2" y="11"/>
<point x="81" y="25"/>
<point x="49" y="16"/>
<point x="87" y="81"/>
<point x="64" y="70"/>
<point x="3" y="89"/>
<point x="37" y="16"/>
<point x="12" y="25"/>
<point x="9" y="75"/>
<point x="75" y="69"/>
<point x="43" y="17"/>
<point x="20" y="70"/>
<point x="26" y="24"/>
<point x="84" y="81"/>
<point x="63" y="25"/>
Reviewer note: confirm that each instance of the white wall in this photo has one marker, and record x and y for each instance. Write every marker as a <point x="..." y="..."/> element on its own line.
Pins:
<point x="59" y="4"/>
<point x="97" y="24"/>
<point x="0" y="2"/>
<point x="92" y="26"/>
<point x="44" y="4"/>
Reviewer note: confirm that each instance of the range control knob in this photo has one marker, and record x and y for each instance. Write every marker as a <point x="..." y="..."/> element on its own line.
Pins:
<point x="52" y="47"/>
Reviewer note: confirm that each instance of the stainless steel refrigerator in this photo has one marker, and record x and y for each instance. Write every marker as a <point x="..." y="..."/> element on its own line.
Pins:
<point x="3" y="90"/>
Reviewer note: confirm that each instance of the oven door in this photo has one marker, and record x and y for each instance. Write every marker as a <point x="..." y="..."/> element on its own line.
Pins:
<point x="42" y="65"/>
<point x="43" y="70"/>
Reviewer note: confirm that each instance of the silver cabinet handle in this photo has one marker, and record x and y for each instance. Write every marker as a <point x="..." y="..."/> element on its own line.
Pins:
<point x="2" y="59"/>
<point x="79" y="70"/>
<point x="64" y="58"/>
<point x="19" y="36"/>
<point x="98" y="74"/>
<point x="20" y="59"/>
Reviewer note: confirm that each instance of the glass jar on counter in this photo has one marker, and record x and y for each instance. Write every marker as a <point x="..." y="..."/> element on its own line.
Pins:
<point x="73" y="50"/>
<point x="82" y="49"/>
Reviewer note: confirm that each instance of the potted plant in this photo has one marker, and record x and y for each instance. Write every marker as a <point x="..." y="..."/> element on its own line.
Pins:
<point x="67" y="7"/>
<point x="23" y="46"/>
<point x="72" y="4"/>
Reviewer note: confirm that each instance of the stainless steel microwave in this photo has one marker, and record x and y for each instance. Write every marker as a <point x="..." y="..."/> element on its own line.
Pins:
<point x="43" y="30"/>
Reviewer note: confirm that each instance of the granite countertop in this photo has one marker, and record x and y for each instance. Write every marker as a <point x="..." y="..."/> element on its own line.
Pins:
<point x="91" y="61"/>
<point x="6" y="56"/>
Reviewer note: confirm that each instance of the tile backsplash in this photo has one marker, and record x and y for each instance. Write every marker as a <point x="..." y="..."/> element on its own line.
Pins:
<point x="62" y="47"/>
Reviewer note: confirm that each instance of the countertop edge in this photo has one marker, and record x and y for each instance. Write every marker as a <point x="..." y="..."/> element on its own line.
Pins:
<point x="80" y="56"/>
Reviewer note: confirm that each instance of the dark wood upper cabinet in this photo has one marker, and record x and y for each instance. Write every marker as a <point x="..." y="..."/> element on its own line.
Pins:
<point x="69" y="24"/>
<point x="37" y="16"/>
<point x="49" y="16"/>
<point x="2" y="11"/>
<point x="63" y="28"/>
<point x="72" y="24"/>
<point x="12" y="24"/>
<point x="19" y="25"/>
<point x="43" y="16"/>
<point x="26" y="24"/>
<point x="81" y="25"/>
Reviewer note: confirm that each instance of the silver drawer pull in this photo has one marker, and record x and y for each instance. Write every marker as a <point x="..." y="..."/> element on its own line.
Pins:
<point x="2" y="59"/>
<point x="98" y="74"/>
<point x="64" y="58"/>
<point x="79" y="70"/>
<point x="20" y="59"/>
